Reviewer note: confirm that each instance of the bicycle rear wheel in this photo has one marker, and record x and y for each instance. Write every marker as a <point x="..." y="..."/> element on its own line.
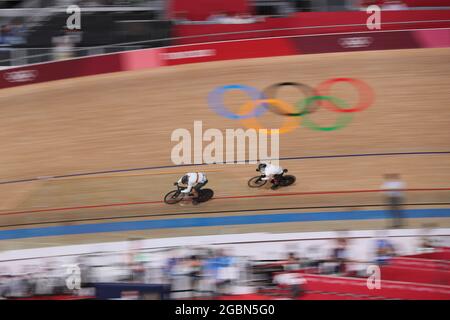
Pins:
<point x="205" y="194"/>
<point x="287" y="180"/>
<point x="173" y="197"/>
<point x="256" y="182"/>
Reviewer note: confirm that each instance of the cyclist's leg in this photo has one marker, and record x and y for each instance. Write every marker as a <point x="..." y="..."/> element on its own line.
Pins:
<point x="276" y="181"/>
<point x="197" y="188"/>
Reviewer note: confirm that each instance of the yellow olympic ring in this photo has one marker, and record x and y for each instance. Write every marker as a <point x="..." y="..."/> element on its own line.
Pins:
<point x="290" y="124"/>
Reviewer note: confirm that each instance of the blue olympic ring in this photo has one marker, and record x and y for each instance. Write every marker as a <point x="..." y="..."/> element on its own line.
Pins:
<point x="215" y="101"/>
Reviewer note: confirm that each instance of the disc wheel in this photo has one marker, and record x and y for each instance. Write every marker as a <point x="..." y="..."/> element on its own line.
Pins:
<point x="287" y="180"/>
<point x="205" y="195"/>
<point x="256" y="182"/>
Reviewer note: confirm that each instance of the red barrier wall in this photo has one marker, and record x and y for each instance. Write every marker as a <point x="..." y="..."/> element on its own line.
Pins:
<point x="427" y="3"/>
<point x="229" y="51"/>
<point x="313" y="23"/>
<point x="420" y="263"/>
<point x="348" y="42"/>
<point x="418" y="275"/>
<point x="411" y="3"/>
<point x="389" y="289"/>
<point x="440" y="255"/>
<point x="57" y="70"/>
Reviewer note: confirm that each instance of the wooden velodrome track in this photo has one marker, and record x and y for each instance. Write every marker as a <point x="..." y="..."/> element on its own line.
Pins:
<point x="125" y="120"/>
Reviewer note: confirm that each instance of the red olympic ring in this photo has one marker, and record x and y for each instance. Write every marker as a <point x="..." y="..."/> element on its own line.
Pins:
<point x="366" y="94"/>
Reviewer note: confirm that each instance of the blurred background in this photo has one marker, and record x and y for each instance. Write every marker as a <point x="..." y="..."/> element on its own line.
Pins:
<point x="411" y="267"/>
<point x="35" y="31"/>
<point x="83" y="170"/>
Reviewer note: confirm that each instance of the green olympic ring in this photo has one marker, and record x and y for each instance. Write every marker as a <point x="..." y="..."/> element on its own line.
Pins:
<point x="341" y="121"/>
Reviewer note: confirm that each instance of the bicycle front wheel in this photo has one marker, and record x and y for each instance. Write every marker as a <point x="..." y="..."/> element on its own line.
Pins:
<point x="256" y="182"/>
<point x="173" y="197"/>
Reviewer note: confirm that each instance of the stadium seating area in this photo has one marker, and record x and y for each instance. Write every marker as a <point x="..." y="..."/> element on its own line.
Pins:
<point x="122" y="27"/>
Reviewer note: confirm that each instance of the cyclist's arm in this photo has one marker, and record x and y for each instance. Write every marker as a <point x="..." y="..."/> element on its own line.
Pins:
<point x="188" y="189"/>
<point x="267" y="174"/>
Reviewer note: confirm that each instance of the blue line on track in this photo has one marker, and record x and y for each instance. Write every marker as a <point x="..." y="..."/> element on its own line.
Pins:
<point x="216" y="221"/>
<point x="206" y="164"/>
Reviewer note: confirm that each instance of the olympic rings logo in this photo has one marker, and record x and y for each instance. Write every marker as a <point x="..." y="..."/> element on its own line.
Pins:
<point x="314" y="99"/>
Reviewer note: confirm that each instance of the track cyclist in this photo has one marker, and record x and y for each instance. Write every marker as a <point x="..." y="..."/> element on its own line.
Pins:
<point x="194" y="182"/>
<point x="272" y="173"/>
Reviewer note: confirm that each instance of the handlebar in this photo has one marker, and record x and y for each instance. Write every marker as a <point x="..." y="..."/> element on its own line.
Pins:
<point x="178" y="186"/>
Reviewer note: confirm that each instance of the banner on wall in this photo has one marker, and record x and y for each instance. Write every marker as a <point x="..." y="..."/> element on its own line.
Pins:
<point x="19" y="76"/>
<point x="228" y="51"/>
<point x="357" y="42"/>
<point x="58" y="70"/>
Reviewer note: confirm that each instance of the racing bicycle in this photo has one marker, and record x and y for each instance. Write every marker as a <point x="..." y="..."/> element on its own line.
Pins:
<point x="284" y="180"/>
<point x="176" y="196"/>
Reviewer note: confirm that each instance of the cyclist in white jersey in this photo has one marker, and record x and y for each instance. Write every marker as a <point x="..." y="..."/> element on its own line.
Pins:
<point x="271" y="172"/>
<point x="194" y="181"/>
